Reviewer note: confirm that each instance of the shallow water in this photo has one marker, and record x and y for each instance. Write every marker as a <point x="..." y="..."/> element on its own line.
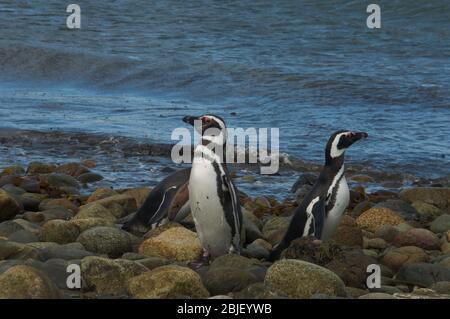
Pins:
<point x="306" y="67"/>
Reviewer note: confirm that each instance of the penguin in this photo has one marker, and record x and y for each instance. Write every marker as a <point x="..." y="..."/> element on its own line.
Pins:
<point x="321" y="210"/>
<point x="213" y="197"/>
<point x="169" y="200"/>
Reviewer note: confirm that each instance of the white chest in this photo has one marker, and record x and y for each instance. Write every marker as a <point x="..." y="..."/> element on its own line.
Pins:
<point x="341" y="201"/>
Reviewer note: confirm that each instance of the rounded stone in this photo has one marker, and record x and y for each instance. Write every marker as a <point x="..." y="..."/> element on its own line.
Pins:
<point x="300" y="279"/>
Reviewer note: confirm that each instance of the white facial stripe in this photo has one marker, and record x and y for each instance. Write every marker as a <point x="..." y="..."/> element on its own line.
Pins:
<point x="335" y="152"/>
<point x="310" y="218"/>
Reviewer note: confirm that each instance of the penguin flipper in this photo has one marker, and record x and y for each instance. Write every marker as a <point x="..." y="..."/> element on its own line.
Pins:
<point x="233" y="212"/>
<point x="161" y="211"/>
<point x="318" y="212"/>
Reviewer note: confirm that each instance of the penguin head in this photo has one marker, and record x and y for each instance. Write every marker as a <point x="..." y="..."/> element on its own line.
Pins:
<point x="340" y="141"/>
<point x="211" y="127"/>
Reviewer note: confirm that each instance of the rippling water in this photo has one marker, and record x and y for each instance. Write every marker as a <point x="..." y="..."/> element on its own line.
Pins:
<point x="308" y="67"/>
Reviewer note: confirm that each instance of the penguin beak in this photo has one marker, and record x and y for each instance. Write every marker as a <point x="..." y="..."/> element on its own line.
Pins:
<point x="356" y="136"/>
<point x="190" y="119"/>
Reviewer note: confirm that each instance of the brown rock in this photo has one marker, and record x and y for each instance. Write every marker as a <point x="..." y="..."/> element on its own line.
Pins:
<point x="348" y="233"/>
<point x="418" y="237"/>
<point x="9" y="207"/>
<point x="376" y="217"/>
<point x="176" y="243"/>
<point x="167" y="282"/>
<point x="59" y="231"/>
<point x="24" y="282"/>
<point x="101" y="193"/>
<point x="398" y="257"/>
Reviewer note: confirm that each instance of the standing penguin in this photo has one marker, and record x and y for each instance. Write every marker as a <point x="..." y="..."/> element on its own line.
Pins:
<point x="213" y="197"/>
<point x="320" y="212"/>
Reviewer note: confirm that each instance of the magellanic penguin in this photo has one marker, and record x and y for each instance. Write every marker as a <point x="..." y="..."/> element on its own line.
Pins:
<point x="213" y="197"/>
<point x="320" y="212"/>
<point x="169" y="200"/>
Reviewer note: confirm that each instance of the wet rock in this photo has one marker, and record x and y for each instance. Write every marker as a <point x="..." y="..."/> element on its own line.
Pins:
<point x="57" y="181"/>
<point x="376" y="217"/>
<point x="31" y="201"/>
<point x="89" y="178"/>
<point x="95" y="210"/>
<point x="275" y="228"/>
<point x="73" y="169"/>
<point x="177" y="243"/>
<point x="398" y="257"/>
<point x="24" y="282"/>
<point x="30" y="184"/>
<point x="106" y="276"/>
<point x="300" y="279"/>
<point x="418" y="237"/>
<point x="441" y="224"/>
<point x="422" y="274"/>
<point x="87" y="223"/>
<point x="387" y="232"/>
<point x="58" y="202"/>
<point x="232" y="273"/>
<point x="259" y="291"/>
<point x="9" y="207"/>
<point x="445" y="262"/>
<point x="12" y="250"/>
<point x="23" y="236"/>
<point x="34" y="217"/>
<point x="437" y="196"/>
<point x="426" y="209"/>
<point x="362" y="178"/>
<point x="167" y="282"/>
<point x="36" y="168"/>
<point x="348" y="233"/>
<point x="106" y="240"/>
<point x="59" y="231"/>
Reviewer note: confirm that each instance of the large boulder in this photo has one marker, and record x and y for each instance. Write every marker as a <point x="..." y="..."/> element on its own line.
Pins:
<point x="441" y="224"/>
<point x="232" y="273"/>
<point x="59" y="231"/>
<point x="24" y="282"/>
<point x="106" y="240"/>
<point x="9" y="206"/>
<point x="12" y="250"/>
<point x="376" y="217"/>
<point x="106" y="276"/>
<point x="167" y="282"/>
<point x="176" y="243"/>
<point x="300" y="279"/>
<point x="126" y="203"/>
<point x="95" y="210"/>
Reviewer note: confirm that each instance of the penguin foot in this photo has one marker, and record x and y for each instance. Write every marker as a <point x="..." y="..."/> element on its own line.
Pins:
<point x="204" y="261"/>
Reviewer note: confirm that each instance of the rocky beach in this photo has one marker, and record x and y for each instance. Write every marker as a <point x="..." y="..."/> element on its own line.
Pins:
<point x="49" y="221"/>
